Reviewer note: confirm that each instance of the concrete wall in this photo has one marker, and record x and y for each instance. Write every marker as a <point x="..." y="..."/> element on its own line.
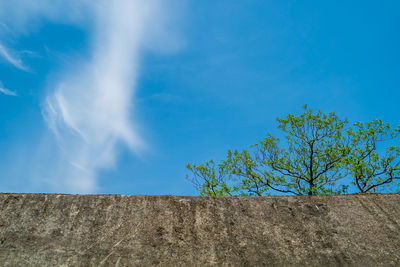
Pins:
<point x="113" y="230"/>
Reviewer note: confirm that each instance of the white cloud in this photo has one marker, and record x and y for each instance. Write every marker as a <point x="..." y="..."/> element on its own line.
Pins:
<point x="90" y="107"/>
<point x="21" y="15"/>
<point x="12" y="58"/>
<point x="6" y="91"/>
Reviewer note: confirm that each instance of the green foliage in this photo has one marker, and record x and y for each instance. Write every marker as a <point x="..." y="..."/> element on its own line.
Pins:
<point x="212" y="179"/>
<point x="374" y="167"/>
<point x="316" y="155"/>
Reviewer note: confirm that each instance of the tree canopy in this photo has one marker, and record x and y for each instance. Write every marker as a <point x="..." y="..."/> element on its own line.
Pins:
<point x="319" y="155"/>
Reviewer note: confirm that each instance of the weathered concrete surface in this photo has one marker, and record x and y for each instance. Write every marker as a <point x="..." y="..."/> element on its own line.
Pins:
<point x="111" y="230"/>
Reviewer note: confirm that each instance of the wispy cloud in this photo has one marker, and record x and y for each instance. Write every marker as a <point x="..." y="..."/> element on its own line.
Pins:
<point x="6" y="91"/>
<point x="89" y="107"/>
<point x="12" y="58"/>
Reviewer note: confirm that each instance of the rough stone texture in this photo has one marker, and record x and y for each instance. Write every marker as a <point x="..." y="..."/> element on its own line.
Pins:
<point x="111" y="230"/>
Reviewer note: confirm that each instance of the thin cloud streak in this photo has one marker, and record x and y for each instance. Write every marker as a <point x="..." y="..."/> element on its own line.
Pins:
<point x="6" y="91"/>
<point x="11" y="58"/>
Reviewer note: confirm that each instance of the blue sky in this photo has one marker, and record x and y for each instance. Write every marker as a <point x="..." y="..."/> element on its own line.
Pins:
<point x="117" y="96"/>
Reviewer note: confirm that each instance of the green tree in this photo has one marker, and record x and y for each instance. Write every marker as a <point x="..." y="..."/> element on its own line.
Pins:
<point x="374" y="162"/>
<point x="317" y="153"/>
